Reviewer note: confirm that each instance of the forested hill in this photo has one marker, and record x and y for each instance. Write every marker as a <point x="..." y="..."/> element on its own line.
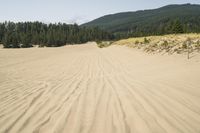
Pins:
<point x="152" y="22"/>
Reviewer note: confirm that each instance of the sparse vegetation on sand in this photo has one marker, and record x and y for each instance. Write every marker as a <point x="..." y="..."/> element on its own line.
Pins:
<point x="103" y="44"/>
<point x="175" y="43"/>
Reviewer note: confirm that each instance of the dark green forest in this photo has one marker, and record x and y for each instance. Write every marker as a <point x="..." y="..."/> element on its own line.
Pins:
<point x="165" y="20"/>
<point x="27" y="34"/>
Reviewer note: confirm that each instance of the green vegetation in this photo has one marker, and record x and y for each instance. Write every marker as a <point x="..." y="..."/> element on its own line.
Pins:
<point x="177" y="27"/>
<point x="27" y="34"/>
<point x="103" y="44"/>
<point x="198" y="45"/>
<point x="146" y="40"/>
<point x="166" y="20"/>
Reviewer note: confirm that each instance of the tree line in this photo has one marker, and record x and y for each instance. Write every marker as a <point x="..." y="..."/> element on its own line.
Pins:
<point x="175" y="26"/>
<point x="27" y="34"/>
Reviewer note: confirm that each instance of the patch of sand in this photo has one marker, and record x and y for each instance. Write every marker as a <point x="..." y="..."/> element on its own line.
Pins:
<point x="84" y="89"/>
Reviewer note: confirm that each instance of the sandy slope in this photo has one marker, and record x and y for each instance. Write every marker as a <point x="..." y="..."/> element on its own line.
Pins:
<point x="84" y="89"/>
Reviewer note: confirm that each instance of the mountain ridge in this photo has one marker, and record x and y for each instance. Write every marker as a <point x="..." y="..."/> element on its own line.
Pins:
<point x="147" y="20"/>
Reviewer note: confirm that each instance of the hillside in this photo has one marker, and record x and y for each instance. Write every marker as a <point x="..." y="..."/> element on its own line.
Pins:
<point x="167" y="44"/>
<point x="151" y="22"/>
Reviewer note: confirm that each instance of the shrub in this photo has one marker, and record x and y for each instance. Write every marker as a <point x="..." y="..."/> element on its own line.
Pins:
<point x="165" y="44"/>
<point x="137" y="42"/>
<point x="184" y="45"/>
<point x="198" y="45"/>
<point x="103" y="44"/>
<point x="26" y="45"/>
<point x="146" y="40"/>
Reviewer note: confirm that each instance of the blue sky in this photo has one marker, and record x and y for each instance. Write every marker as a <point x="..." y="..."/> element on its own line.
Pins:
<point x="74" y="11"/>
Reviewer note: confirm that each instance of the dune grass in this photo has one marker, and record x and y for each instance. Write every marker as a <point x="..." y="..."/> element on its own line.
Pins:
<point x="174" y="43"/>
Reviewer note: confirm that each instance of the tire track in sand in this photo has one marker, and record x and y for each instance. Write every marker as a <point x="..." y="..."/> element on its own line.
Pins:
<point x="84" y="89"/>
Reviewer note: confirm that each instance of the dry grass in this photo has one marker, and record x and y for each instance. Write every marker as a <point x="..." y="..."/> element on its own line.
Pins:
<point x="167" y="43"/>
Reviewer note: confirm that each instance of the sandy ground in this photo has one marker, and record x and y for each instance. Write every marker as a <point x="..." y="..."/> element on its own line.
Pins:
<point x="84" y="89"/>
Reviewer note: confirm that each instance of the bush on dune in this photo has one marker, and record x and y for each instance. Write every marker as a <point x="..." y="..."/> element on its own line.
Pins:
<point x="103" y="44"/>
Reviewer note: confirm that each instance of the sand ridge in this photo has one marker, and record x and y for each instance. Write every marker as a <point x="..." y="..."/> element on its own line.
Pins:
<point x="84" y="89"/>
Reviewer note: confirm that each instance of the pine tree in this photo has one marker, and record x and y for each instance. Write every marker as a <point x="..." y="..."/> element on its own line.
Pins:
<point x="26" y="41"/>
<point x="11" y="41"/>
<point x="177" y="27"/>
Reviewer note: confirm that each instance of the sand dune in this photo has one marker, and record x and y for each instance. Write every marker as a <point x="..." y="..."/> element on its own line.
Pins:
<point x="84" y="89"/>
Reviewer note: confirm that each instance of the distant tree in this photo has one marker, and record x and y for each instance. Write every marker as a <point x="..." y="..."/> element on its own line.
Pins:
<point x="11" y="41"/>
<point x="26" y="41"/>
<point x="2" y="31"/>
<point x="177" y="27"/>
<point x="6" y="41"/>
